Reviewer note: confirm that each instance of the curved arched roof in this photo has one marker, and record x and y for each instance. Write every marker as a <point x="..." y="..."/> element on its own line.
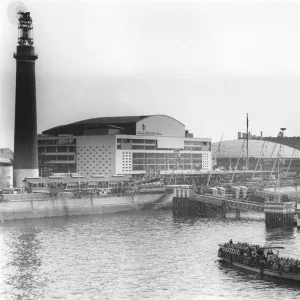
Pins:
<point x="124" y="124"/>
<point x="256" y="148"/>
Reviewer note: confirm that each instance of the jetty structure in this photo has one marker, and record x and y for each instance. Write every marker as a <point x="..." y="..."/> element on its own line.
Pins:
<point x="25" y="137"/>
<point x="279" y="208"/>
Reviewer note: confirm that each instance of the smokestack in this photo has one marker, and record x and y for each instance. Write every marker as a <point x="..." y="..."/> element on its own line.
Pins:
<point x="239" y="135"/>
<point x="25" y="139"/>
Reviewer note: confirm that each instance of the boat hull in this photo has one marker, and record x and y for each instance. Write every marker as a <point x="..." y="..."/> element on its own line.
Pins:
<point x="269" y="272"/>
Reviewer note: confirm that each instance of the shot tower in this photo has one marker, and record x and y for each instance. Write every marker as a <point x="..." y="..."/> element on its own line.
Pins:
<point x="25" y="140"/>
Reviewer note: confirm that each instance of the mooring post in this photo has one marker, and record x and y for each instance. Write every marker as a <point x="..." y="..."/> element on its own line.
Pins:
<point x="279" y="214"/>
<point x="223" y="209"/>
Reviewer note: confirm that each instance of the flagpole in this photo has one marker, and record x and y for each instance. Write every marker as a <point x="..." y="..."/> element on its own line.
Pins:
<point x="278" y="170"/>
<point x="247" y="162"/>
<point x="279" y="158"/>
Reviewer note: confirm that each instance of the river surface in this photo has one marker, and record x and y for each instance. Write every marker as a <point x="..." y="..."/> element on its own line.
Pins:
<point x="135" y="255"/>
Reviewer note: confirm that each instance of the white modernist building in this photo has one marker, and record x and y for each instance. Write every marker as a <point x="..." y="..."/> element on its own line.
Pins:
<point x="123" y="145"/>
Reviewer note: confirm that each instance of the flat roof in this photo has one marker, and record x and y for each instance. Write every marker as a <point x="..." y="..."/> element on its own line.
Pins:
<point x="47" y="180"/>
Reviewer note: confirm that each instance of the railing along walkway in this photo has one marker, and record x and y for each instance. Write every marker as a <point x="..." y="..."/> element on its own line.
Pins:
<point x="219" y="201"/>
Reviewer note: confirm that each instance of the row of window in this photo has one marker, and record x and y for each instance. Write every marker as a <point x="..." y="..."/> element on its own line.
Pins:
<point x="57" y="149"/>
<point x="141" y="161"/>
<point x="56" y="157"/>
<point x="135" y="141"/>
<point x="166" y="167"/>
<point x="194" y="148"/>
<point x="139" y="147"/>
<point x="197" y="143"/>
<point x="47" y="170"/>
<point x="166" y="155"/>
<point x="66" y="141"/>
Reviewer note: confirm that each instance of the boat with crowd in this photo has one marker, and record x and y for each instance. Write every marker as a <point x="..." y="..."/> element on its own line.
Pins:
<point x="263" y="260"/>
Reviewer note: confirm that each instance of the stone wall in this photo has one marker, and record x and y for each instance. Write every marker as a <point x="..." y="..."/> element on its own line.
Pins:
<point x="53" y="207"/>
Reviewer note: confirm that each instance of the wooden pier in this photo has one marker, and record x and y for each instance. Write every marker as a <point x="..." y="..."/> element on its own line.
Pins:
<point x="187" y="203"/>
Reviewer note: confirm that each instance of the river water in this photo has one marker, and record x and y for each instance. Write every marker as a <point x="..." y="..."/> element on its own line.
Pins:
<point x="135" y="255"/>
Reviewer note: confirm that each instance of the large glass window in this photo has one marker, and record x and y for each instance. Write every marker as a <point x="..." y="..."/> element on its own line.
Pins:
<point x="138" y="161"/>
<point x="66" y="141"/>
<point x="62" y="157"/>
<point x="138" y="141"/>
<point x="150" y="142"/>
<point x="62" y="149"/>
<point x="41" y="149"/>
<point x="150" y="161"/>
<point x="138" y="155"/>
<point x="138" y="168"/>
<point x="51" y="149"/>
<point x="166" y="161"/>
<point x="138" y="147"/>
<point x="150" y="147"/>
<point x="72" y="149"/>
<point x="126" y="141"/>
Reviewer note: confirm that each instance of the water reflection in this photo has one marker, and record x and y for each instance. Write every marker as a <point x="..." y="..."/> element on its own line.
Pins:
<point x="279" y="234"/>
<point x="24" y="276"/>
<point x="135" y="255"/>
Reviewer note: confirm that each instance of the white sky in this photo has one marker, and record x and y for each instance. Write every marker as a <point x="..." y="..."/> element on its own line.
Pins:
<point x="205" y="63"/>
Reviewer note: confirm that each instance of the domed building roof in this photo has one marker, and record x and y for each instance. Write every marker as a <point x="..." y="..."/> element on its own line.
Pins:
<point x="256" y="148"/>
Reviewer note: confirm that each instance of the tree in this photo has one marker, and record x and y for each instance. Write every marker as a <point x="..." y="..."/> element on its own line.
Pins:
<point x="4" y="178"/>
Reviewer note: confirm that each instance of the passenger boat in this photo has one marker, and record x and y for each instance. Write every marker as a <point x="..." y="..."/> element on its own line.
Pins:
<point x="256" y="259"/>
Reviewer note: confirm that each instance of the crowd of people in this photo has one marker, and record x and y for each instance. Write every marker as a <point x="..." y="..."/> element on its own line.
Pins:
<point x="262" y="257"/>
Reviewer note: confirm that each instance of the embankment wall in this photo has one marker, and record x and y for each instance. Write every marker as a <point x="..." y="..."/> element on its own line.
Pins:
<point x="43" y="207"/>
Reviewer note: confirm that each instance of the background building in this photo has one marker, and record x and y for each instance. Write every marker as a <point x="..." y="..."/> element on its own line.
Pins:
<point x="291" y="141"/>
<point x="128" y="145"/>
<point x="6" y="173"/>
<point x="262" y="155"/>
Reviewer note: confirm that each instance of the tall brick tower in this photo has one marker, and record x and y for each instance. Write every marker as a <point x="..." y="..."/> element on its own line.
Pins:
<point x="25" y="140"/>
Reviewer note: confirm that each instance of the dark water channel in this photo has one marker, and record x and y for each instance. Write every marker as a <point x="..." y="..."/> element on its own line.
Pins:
<point x="135" y="255"/>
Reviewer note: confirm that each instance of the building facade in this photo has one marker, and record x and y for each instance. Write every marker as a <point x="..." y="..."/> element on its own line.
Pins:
<point x="124" y="146"/>
<point x="262" y="156"/>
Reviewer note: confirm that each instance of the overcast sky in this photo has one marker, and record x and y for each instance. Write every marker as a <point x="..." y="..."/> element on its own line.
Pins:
<point x="205" y="63"/>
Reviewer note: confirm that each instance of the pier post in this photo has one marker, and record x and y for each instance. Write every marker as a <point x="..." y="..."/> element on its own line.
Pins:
<point x="179" y="203"/>
<point x="183" y="202"/>
<point x="279" y="214"/>
<point x="192" y="208"/>
<point x="223" y="209"/>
